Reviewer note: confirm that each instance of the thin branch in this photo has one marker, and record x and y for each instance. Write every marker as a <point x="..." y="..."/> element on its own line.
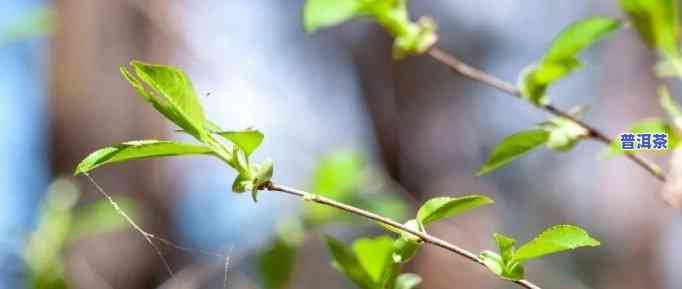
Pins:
<point x="425" y="237"/>
<point x="478" y="75"/>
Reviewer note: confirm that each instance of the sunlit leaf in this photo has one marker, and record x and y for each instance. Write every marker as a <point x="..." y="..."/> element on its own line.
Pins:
<point x="407" y="245"/>
<point x="278" y="259"/>
<point x="319" y="14"/>
<point x="561" y="58"/>
<point x="579" y="36"/>
<point x="171" y="93"/>
<point x="375" y="256"/>
<point x="339" y="176"/>
<point x="100" y="217"/>
<point x="506" y="246"/>
<point x="445" y="207"/>
<point x="346" y="262"/>
<point x="657" y="22"/>
<point x="492" y="261"/>
<point x="553" y="240"/>
<point x="407" y="281"/>
<point x="135" y="150"/>
<point x="564" y="133"/>
<point x="513" y="147"/>
<point x="247" y="140"/>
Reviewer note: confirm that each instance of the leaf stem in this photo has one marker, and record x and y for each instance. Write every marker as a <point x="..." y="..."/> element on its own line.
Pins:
<point x="478" y="75"/>
<point x="425" y="237"/>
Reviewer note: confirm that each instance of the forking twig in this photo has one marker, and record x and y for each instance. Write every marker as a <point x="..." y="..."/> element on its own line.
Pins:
<point x="425" y="237"/>
<point x="478" y="75"/>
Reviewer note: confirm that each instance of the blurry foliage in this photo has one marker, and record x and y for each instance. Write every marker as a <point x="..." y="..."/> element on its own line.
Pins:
<point x="35" y="23"/>
<point x="61" y="221"/>
<point x="344" y="176"/>
<point x="375" y="263"/>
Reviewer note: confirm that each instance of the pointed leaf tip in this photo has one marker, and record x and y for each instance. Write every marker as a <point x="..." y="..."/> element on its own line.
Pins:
<point x="553" y="240"/>
<point x="445" y="207"/>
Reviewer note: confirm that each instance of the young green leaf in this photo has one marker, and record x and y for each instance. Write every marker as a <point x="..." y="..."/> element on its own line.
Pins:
<point x="564" y="133"/>
<point x="445" y="207"/>
<point x="409" y="37"/>
<point x="171" y="93"/>
<point x="247" y="140"/>
<point x="492" y="261"/>
<point x="407" y="281"/>
<point x="561" y="58"/>
<point x="503" y="265"/>
<point x="513" y="147"/>
<point x="553" y="240"/>
<point x="346" y="261"/>
<point x="407" y="245"/>
<point x="506" y="246"/>
<point x="319" y="14"/>
<point x="277" y="260"/>
<point x="657" y="22"/>
<point x="339" y="176"/>
<point x="135" y="150"/>
<point x="261" y="174"/>
<point x="375" y="257"/>
<point x="579" y="36"/>
<point x="101" y="217"/>
<point x="277" y="264"/>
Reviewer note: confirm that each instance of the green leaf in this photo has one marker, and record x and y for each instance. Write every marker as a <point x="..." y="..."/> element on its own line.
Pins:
<point x="277" y="260"/>
<point x="493" y="261"/>
<point x="535" y="79"/>
<point x="375" y="256"/>
<point x="506" y="246"/>
<point x="339" y="176"/>
<point x="319" y="14"/>
<point x="445" y="207"/>
<point x="346" y="262"/>
<point x="504" y="265"/>
<point x="657" y="22"/>
<point x="553" y="240"/>
<point x="564" y="133"/>
<point x="644" y="126"/>
<point x="247" y="140"/>
<point x="561" y="58"/>
<point x="407" y="281"/>
<point x="134" y="150"/>
<point x="407" y="245"/>
<point x="261" y="174"/>
<point x="404" y="248"/>
<point x="100" y="217"/>
<point x="513" y="147"/>
<point x="509" y="271"/>
<point x="579" y="36"/>
<point x="171" y="93"/>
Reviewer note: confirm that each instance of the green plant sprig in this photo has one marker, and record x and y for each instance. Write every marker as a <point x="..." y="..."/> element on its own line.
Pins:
<point x="655" y="20"/>
<point x="170" y="91"/>
<point x="458" y="66"/>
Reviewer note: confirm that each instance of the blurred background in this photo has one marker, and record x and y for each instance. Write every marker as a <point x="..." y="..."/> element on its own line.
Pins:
<point x="339" y="117"/>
